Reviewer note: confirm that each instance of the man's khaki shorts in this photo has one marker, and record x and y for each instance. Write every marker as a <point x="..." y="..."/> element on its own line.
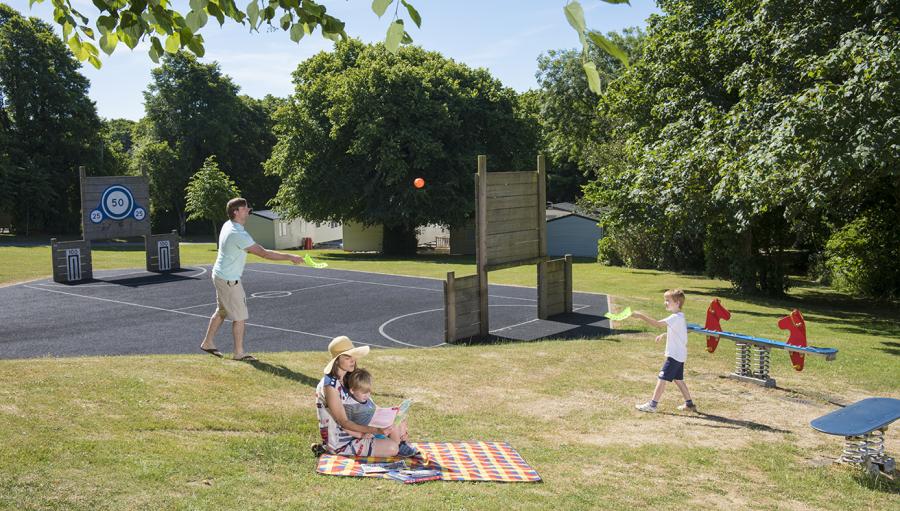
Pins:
<point x="231" y="299"/>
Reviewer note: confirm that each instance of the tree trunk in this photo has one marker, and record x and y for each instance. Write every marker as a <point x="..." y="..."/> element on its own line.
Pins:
<point x="399" y="241"/>
<point x="182" y="222"/>
<point x="744" y="272"/>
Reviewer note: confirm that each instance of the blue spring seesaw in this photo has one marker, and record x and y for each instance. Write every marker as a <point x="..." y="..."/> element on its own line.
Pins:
<point x="753" y="353"/>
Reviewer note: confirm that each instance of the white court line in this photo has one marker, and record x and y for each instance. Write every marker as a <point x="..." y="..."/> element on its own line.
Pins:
<point x="203" y="271"/>
<point x="388" y="337"/>
<point x="177" y="311"/>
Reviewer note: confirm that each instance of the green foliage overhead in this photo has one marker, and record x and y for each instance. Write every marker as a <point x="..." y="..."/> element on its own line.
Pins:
<point x="170" y="29"/>
<point x="363" y="123"/>
<point x="752" y="129"/>
<point x="575" y="16"/>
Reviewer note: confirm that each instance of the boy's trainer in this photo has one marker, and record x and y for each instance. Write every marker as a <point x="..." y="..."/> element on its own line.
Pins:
<point x="688" y="407"/>
<point x="406" y="451"/>
<point x="646" y="407"/>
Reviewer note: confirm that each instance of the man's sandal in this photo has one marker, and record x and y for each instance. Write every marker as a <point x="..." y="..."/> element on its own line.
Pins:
<point x="212" y="351"/>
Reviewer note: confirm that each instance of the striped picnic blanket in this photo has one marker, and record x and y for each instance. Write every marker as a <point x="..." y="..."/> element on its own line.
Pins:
<point x="457" y="461"/>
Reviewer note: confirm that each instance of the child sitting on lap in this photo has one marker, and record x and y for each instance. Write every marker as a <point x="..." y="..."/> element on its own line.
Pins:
<point x="359" y="384"/>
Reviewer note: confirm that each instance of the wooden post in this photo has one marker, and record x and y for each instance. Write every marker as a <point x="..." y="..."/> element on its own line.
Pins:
<point x="543" y="313"/>
<point x="542" y="206"/>
<point x="56" y="277"/>
<point x="481" y="242"/>
<point x="82" y="179"/>
<point x="568" y="287"/>
<point x="450" y="308"/>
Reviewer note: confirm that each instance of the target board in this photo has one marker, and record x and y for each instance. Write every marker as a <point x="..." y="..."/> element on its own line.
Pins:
<point x="114" y="207"/>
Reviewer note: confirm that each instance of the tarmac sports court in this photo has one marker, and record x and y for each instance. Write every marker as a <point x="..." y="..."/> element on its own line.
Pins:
<point x="292" y="308"/>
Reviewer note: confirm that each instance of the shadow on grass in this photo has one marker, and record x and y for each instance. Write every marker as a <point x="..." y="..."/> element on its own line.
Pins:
<point x="893" y="348"/>
<point x="812" y="395"/>
<point x="576" y="334"/>
<point x="283" y="372"/>
<point x="736" y="423"/>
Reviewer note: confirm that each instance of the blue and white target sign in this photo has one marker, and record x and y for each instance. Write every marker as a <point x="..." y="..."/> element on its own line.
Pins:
<point x="117" y="203"/>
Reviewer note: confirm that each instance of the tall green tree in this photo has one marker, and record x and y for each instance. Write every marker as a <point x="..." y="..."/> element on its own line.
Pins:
<point x="194" y="111"/>
<point x="752" y="129"/>
<point x="207" y="193"/>
<point x="363" y="123"/>
<point x="49" y="126"/>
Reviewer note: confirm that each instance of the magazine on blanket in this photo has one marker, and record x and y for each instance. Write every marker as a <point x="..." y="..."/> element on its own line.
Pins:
<point x="386" y="417"/>
<point x="375" y="468"/>
<point x="415" y="476"/>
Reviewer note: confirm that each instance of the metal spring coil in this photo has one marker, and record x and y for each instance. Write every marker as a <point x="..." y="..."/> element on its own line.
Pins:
<point x="762" y="361"/>
<point x="742" y="359"/>
<point x="857" y="449"/>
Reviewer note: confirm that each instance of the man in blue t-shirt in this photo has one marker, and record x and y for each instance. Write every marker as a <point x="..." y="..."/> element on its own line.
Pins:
<point x="234" y="243"/>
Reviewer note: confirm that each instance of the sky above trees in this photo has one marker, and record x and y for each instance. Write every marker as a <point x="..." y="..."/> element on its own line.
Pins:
<point x="504" y="36"/>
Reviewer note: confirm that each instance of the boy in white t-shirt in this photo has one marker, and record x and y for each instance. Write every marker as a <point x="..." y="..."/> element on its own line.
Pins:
<point x="676" y="351"/>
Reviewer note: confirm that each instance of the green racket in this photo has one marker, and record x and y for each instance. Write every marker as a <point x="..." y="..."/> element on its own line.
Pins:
<point x="309" y="262"/>
<point x="619" y="316"/>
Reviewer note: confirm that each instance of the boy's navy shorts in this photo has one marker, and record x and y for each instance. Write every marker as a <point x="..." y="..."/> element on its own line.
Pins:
<point x="672" y="370"/>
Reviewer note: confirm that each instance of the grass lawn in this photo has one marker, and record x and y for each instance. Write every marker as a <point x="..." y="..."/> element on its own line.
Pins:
<point x="194" y="432"/>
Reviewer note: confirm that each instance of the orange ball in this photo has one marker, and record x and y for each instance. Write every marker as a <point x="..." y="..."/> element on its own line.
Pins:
<point x="419" y="182"/>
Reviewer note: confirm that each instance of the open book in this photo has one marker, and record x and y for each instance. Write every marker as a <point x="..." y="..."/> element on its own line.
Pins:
<point x="386" y="417"/>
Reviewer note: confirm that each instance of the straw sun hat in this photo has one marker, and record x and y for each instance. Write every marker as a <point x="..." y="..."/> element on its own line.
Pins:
<point x="342" y="345"/>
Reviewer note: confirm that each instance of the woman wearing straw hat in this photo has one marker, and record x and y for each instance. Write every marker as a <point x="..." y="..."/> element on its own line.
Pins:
<point x="331" y="396"/>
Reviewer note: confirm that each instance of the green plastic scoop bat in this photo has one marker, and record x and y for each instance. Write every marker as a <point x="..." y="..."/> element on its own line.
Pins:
<point x="309" y="262"/>
<point x="619" y="316"/>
